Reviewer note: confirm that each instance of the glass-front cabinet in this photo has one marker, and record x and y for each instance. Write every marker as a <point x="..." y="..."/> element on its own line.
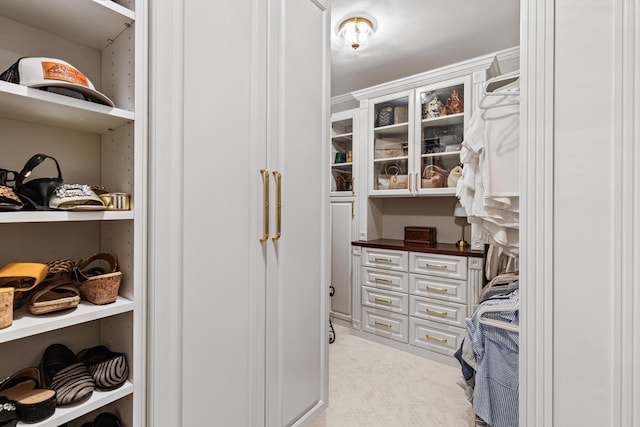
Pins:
<point x="390" y="143"/>
<point x="342" y="154"/>
<point x="416" y="137"/>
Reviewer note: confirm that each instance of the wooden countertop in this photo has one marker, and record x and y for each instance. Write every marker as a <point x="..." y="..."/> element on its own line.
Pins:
<point x="400" y="245"/>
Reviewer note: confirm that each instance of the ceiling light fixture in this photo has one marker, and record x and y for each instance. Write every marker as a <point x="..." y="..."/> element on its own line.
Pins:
<point x="356" y="32"/>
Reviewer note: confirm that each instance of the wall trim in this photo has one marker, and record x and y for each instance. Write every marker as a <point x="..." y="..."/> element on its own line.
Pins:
<point x="448" y="72"/>
<point x="626" y="210"/>
<point x="537" y="29"/>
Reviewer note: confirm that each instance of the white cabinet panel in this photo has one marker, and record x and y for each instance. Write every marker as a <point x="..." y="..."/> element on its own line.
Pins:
<point x="342" y="229"/>
<point x="385" y="258"/>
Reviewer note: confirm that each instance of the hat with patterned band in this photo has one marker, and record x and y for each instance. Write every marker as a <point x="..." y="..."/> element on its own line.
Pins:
<point x="54" y="75"/>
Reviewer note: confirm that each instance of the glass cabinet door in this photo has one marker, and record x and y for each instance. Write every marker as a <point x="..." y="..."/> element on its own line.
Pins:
<point x="342" y="177"/>
<point x="391" y="142"/>
<point x="442" y="121"/>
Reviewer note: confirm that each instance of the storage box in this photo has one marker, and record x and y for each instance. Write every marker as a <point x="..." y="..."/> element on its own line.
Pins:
<point x="425" y="235"/>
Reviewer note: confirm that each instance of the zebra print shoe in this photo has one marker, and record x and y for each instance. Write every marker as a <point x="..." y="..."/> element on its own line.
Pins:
<point x="109" y="370"/>
<point x="63" y="373"/>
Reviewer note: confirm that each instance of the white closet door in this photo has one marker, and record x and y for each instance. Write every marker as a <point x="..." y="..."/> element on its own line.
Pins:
<point x="297" y="339"/>
<point x="342" y="230"/>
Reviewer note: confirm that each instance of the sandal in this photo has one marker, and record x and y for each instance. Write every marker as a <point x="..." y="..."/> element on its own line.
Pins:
<point x="56" y="295"/>
<point x="32" y="403"/>
<point x="108" y="369"/>
<point x="97" y="284"/>
<point x="6" y="308"/>
<point x="63" y="373"/>
<point x="23" y="277"/>
<point x="75" y="197"/>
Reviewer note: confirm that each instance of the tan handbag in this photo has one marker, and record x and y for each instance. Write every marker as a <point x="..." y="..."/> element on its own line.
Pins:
<point x="433" y="177"/>
<point x="454" y="176"/>
<point x="392" y="179"/>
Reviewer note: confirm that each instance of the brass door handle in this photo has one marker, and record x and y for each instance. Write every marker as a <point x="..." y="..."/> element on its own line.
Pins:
<point x="384" y="325"/>
<point x="265" y="178"/>
<point x="417" y="181"/>
<point x="437" y="266"/>
<point x="380" y="280"/>
<point x="278" y="177"/>
<point x="433" y="289"/>
<point x="381" y="301"/>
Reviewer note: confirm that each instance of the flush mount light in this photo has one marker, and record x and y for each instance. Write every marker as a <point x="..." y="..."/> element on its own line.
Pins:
<point x="355" y="32"/>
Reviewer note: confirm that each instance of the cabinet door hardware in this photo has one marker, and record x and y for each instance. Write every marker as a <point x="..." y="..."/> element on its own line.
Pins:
<point x="381" y="280"/>
<point x="436" y="312"/>
<point x="417" y="181"/>
<point x="278" y="177"/>
<point x="383" y="260"/>
<point x="353" y="209"/>
<point x="383" y="325"/>
<point x="409" y="182"/>
<point x="432" y="338"/>
<point x="433" y="289"/>
<point x="353" y="185"/>
<point x="381" y="301"/>
<point x="437" y="266"/>
<point x="265" y="178"/>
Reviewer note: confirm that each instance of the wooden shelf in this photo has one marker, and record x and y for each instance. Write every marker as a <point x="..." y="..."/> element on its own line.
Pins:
<point x="44" y="108"/>
<point x="25" y="324"/>
<point x="63" y="216"/>
<point x="68" y="18"/>
<point x="97" y="400"/>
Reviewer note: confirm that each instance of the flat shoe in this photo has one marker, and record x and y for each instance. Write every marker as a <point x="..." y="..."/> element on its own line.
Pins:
<point x="8" y="415"/>
<point x="108" y="369"/>
<point x="63" y="373"/>
<point x="32" y="404"/>
<point x="106" y="419"/>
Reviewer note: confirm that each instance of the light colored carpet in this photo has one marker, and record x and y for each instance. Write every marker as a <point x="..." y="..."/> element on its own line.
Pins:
<point x="378" y="386"/>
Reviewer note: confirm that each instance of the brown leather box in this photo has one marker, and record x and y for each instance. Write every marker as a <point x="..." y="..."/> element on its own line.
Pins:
<point x="425" y="235"/>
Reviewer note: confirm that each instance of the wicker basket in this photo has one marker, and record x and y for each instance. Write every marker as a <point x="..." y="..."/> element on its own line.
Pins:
<point x="102" y="289"/>
<point x="6" y="307"/>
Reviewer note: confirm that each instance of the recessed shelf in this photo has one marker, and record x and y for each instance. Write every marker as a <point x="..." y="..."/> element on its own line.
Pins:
<point x="97" y="400"/>
<point x="25" y="324"/>
<point x="63" y="216"/>
<point x="68" y="18"/>
<point x="392" y="129"/>
<point x="39" y="107"/>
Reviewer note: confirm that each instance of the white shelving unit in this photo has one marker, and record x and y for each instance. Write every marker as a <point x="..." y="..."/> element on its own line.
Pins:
<point x="94" y="144"/>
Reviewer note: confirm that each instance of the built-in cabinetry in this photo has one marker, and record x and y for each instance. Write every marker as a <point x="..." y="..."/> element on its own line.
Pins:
<point x="415" y="139"/>
<point x="343" y="158"/>
<point x="416" y="297"/>
<point x="241" y="292"/>
<point x="94" y="144"/>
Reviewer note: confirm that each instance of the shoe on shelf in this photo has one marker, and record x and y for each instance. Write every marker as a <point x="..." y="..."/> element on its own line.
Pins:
<point x="8" y="415"/>
<point x="62" y="372"/>
<point x="109" y="369"/>
<point x="32" y="403"/>
<point x="104" y="419"/>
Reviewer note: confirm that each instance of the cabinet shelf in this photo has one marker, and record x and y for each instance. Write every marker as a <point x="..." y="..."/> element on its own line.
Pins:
<point x="342" y="165"/>
<point x="392" y="129"/>
<point x="391" y="159"/>
<point x="68" y="18"/>
<point x="345" y="137"/>
<point x="451" y="119"/>
<point x="63" y="216"/>
<point x="97" y="400"/>
<point x="441" y="154"/>
<point x="26" y="324"/>
<point x="39" y="107"/>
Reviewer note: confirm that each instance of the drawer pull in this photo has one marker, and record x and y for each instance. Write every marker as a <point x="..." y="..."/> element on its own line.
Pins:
<point x="381" y="301"/>
<point x="437" y="312"/>
<point x="432" y="338"/>
<point x="437" y="266"/>
<point x="384" y="325"/>
<point x="383" y="260"/>
<point x="432" y="289"/>
<point x="379" y="280"/>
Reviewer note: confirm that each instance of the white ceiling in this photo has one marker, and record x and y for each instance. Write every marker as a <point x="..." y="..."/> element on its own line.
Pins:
<point x="413" y="36"/>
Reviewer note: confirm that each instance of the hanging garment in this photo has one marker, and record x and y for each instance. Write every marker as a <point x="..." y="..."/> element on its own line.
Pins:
<point x="495" y="394"/>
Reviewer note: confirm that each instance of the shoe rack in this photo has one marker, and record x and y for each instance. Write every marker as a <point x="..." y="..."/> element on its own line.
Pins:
<point x="96" y="145"/>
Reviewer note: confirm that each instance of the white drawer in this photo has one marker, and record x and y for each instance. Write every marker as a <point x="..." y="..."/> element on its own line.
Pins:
<point x="439" y="288"/>
<point x="435" y="336"/>
<point x="452" y="267"/>
<point x="385" y="279"/>
<point x="385" y="258"/>
<point x="438" y="311"/>
<point x="386" y="300"/>
<point x="385" y="324"/>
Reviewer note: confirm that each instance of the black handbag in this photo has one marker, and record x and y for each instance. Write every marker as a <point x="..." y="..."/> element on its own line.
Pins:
<point x="35" y="193"/>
